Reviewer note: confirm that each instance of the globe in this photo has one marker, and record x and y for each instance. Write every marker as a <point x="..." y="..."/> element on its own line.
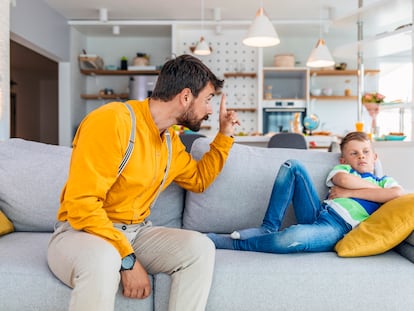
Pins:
<point x="311" y="122"/>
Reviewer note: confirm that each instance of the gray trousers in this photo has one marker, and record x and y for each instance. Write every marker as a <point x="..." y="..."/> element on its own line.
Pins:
<point x="90" y="265"/>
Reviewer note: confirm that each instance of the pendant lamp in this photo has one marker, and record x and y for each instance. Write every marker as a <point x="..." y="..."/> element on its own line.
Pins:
<point x="202" y="47"/>
<point x="320" y="55"/>
<point x="261" y="32"/>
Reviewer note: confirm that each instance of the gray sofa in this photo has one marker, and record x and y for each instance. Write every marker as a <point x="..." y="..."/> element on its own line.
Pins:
<point x="32" y="175"/>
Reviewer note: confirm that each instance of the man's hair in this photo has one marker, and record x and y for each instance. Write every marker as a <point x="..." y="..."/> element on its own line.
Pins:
<point x="185" y="71"/>
<point x="360" y="136"/>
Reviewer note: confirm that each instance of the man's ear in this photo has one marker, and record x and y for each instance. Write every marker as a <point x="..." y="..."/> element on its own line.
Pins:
<point x="185" y="96"/>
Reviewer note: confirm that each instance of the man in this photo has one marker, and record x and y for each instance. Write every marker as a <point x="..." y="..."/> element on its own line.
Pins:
<point x="102" y="236"/>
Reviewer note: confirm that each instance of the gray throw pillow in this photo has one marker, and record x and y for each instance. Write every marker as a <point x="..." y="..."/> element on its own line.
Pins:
<point x="32" y="176"/>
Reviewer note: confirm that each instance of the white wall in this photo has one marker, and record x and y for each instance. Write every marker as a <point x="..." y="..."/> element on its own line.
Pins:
<point x="34" y="24"/>
<point x="4" y="71"/>
<point x="396" y="159"/>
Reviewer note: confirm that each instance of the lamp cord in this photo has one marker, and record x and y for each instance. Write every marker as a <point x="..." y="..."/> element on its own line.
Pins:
<point x="320" y="19"/>
<point x="202" y="17"/>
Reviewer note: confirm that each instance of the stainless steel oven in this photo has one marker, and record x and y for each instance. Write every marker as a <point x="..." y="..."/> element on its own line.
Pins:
<point x="279" y="116"/>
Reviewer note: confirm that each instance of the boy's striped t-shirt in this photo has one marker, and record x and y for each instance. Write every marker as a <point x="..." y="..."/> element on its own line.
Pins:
<point x="355" y="210"/>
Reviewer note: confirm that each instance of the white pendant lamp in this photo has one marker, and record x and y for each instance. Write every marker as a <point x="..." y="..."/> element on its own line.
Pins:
<point x="202" y="47"/>
<point x="261" y="32"/>
<point x="320" y="55"/>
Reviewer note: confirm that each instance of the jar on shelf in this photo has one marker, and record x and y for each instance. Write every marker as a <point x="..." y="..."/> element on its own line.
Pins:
<point x="141" y="59"/>
<point x="268" y="93"/>
<point x="347" y="90"/>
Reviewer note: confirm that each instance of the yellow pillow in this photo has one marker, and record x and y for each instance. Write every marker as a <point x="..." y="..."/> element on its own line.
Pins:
<point x="6" y="225"/>
<point x="391" y="224"/>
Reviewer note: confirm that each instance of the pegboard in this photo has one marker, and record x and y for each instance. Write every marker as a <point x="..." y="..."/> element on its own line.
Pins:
<point x="229" y="55"/>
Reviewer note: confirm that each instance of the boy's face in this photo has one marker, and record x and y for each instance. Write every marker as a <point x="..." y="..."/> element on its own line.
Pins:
<point x="359" y="155"/>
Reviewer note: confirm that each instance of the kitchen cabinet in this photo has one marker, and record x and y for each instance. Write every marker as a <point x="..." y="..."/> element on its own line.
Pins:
<point x="281" y="83"/>
<point x="283" y="99"/>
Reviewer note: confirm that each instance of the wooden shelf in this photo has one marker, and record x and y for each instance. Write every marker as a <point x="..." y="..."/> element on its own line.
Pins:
<point x="243" y="109"/>
<point x="97" y="96"/>
<point x="326" y="72"/>
<point x="335" y="97"/>
<point x="240" y="74"/>
<point x="100" y="72"/>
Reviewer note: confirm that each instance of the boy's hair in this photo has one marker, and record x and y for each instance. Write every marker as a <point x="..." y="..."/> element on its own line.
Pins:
<point x="360" y="136"/>
<point x="185" y="71"/>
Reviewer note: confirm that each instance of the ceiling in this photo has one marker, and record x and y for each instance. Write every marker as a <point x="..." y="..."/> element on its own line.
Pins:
<point x="291" y="17"/>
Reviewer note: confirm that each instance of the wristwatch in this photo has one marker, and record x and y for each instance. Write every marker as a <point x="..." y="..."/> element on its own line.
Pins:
<point x="128" y="262"/>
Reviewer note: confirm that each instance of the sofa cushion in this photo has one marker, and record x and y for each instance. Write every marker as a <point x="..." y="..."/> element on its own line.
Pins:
<point x="168" y="210"/>
<point x="246" y="281"/>
<point x="27" y="283"/>
<point x="239" y="196"/>
<point x="6" y="226"/>
<point x="384" y="229"/>
<point x="32" y="175"/>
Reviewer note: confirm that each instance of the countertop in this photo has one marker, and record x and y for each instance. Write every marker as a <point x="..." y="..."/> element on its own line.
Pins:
<point x="319" y="141"/>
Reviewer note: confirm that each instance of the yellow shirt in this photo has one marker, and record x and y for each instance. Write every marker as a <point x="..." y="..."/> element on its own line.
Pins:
<point x="94" y="198"/>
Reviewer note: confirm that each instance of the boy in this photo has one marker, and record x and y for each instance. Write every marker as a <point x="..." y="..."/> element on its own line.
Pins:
<point x="355" y="193"/>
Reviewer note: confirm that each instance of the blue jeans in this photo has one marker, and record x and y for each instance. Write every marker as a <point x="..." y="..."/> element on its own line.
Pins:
<point x="319" y="227"/>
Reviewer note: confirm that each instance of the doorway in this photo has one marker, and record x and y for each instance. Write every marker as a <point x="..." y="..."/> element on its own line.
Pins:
<point x="34" y="95"/>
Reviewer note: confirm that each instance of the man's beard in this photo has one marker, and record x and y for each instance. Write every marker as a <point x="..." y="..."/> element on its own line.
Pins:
<point x="189" y="120"/>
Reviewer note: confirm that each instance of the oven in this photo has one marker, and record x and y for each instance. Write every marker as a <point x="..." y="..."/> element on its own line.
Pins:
<point x="283" y="116"/>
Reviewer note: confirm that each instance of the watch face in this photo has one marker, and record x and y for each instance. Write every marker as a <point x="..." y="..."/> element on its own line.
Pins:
<point x="128" y="262"/>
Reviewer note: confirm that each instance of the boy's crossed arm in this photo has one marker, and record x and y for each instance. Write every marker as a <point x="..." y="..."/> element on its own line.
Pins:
<point x="346" y="185"/>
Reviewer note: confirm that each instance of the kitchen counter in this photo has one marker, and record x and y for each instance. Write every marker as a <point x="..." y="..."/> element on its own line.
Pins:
<point x="315" y="141"/>
<point x="256" y="141"/>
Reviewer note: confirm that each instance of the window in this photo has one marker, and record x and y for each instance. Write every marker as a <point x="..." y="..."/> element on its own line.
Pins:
<point x="396" y="84"/>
